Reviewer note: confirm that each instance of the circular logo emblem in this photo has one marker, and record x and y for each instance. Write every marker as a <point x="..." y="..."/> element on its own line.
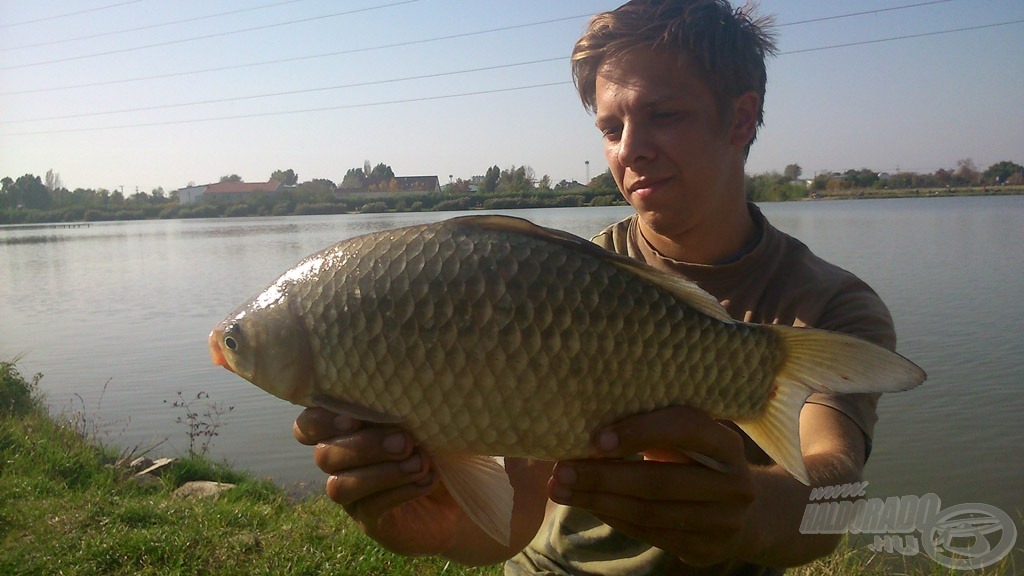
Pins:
<point x="963" y="537"/>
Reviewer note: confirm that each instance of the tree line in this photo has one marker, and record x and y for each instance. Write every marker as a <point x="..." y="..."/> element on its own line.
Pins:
<point x="31" y="198"/>
<point x="787" y="185"/>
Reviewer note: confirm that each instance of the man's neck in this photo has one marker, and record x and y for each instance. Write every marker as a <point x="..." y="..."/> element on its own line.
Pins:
<point x="713" y="242"/>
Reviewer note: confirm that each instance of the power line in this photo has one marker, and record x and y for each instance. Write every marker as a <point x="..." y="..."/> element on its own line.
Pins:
<point x="302" y="111"/>
<point x="44" y="19"/>
<point x="449" y="96"/>
<point x="150" y="26"/>
<point x="205" y="37"/>
<point x="290" y="92"/>
<point x="880" y="40"/>
<point x="852" y="14"/>
<point x="301" y="58"/>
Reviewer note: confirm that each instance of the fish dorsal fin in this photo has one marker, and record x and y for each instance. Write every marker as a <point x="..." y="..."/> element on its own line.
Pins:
<point x="481" y="487"/>
<point x="683" y="289"/>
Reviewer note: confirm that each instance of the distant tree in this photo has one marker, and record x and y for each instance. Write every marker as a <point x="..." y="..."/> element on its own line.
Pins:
<point x="515" y="180"/>
<point x="944" y="177"/>
<point x="380" y="177"/>
<point x="53" y="181"/>
<point x="1002" y="172"/>
<point x="966" y="172"/>
<point x="314" y="191"/>
<point x="603" y="181"/>
<point x="287" y="177"/>
<point x="491" y="177"/>
<point x="355" y="179"/>
<point x="231" y="178"/>
<point x="544" y="183"/>
<point x="29" y="191"/>
<point x="792" y="171"/>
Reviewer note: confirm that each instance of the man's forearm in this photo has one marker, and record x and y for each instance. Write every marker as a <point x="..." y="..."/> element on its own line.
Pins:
<point x="773" y="530"/>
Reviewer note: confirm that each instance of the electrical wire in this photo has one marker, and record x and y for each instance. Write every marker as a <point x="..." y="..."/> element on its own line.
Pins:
<point x="204" y="37"/>
<point x="55" y="17"/>
<point x="905" y="37"/>
<point x="150" y="26"/>
<point x="302" y="111"/>
<point x="865" y="13"/>
<point x="289" y="92"/>
<point x="306" y="57"/>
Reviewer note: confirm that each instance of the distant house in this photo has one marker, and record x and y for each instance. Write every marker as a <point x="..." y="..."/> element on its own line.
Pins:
<point x="190" y="194"/>
<point x="226" y="191"/>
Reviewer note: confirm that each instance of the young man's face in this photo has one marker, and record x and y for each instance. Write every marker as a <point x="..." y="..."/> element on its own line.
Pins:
<point x="676" y="160"/>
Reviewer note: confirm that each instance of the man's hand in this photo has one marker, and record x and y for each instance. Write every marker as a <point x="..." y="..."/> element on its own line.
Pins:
<point x="382" y="480"/>
<point x="666" y="499"/>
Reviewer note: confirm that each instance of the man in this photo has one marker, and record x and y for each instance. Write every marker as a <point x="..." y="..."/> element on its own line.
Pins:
<point x="677" y="89"/>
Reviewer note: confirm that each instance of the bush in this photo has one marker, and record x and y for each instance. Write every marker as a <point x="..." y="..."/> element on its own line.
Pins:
<point x="17" y="395"/>
<point x="170" y="211"/>
<point x="464" y="203"/>
<point x="236" y="211"/>
<point x="374" y="207"/>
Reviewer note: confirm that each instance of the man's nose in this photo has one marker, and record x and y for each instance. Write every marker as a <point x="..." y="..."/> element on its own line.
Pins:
<point x="635" y="145"/>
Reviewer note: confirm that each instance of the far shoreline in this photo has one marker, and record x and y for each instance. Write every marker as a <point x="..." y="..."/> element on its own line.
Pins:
<point x="21" y="218"/>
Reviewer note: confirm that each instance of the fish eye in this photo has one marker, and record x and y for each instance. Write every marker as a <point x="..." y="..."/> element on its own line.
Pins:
<point x="231" y="343"/>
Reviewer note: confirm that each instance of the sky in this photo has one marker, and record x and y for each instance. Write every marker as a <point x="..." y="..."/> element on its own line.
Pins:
<point x="142" y="94"/>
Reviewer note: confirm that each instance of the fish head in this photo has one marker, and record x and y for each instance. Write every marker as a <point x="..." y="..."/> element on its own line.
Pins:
<point x="264" y="342"/>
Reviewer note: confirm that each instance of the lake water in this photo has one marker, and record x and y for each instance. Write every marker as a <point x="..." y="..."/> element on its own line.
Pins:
<point x="116" y="317"/>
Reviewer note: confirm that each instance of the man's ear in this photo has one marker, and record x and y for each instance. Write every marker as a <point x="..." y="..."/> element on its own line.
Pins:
<point x="745" y="112"/>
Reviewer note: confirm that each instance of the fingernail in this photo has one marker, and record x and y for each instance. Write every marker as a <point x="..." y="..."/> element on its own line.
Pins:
<point x="344" y="423"/>
<point x="411" y="465"/>
<point x="560" y="493"/>
<point x="394" y="443"/>
<point x="566" y="475"/>
<point x="607" y="441"/>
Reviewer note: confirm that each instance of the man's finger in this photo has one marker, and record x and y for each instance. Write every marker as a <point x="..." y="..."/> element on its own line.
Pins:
<point x="315" y="425"/>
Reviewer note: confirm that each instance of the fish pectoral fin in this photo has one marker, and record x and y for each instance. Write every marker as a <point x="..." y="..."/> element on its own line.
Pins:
<point x="777" y="431"/>
<point x="354" y="410"/>
<point x="481" y="487"/>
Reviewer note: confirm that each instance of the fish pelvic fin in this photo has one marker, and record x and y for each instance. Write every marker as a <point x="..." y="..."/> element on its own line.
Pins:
<point x="481" y="487"/>
<point x="826" y="362"/>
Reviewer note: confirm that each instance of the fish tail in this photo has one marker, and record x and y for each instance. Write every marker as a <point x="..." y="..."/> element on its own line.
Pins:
<point x="827" y="362"/>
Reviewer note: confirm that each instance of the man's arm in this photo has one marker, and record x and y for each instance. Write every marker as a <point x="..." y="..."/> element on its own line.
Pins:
<point x="703" y="516"/>
<point x="833" y="449"/>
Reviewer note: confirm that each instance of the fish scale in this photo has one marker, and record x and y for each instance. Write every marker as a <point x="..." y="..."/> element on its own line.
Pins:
<point x="490" y="336"/>
<point x="473" y="324"/>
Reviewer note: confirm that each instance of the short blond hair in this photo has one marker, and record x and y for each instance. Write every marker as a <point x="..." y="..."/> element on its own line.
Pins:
<point x="728" y="45"/>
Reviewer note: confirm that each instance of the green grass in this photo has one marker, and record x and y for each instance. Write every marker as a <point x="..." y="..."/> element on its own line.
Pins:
<point x="64" y="511"/>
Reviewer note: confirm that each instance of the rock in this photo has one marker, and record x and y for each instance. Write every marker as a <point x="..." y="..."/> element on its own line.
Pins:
<point x="202" y="489"/>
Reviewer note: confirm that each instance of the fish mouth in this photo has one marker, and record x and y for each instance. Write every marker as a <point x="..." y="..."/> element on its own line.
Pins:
<point x="216" y="353"/>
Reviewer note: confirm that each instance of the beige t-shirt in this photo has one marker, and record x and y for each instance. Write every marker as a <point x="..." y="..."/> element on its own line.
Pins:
<point x="777" y="281"/>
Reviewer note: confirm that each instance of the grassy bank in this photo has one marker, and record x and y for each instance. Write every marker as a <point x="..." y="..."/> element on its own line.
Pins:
<point x="65" y="508"/>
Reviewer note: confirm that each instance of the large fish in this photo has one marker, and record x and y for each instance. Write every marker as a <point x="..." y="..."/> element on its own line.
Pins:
<point x="489" y="336"/>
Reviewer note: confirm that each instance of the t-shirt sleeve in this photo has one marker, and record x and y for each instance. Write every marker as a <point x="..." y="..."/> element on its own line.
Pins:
<point x="857" y="310"/>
